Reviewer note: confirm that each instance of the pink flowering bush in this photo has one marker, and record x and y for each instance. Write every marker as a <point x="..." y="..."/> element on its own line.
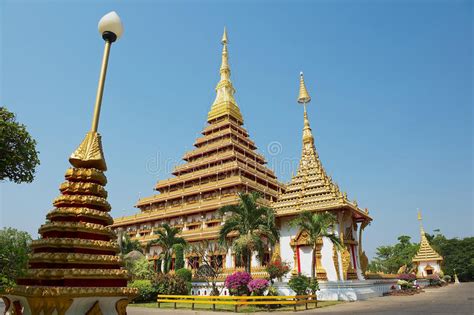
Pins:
<point x="237" y="283"/>
<point x="407" y="277"/>
<point x="258" y="286"/>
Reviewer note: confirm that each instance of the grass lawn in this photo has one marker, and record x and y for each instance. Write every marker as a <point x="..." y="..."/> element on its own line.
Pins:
<point x="230" y="308"/>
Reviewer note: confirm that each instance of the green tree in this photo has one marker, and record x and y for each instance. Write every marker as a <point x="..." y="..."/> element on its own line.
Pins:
<point x="390" y="258"/>
<point x="317" y="225"/>
<point x="253" y="223"/>
<point x="14" y="250"/>
<point x="142" y="269"/>
<point x="167" y="238"/>
<point x="458" y="255"/>
<point x="126" y="244"/>
<point x="178" y="256"/>
<point x="18" y="155"/>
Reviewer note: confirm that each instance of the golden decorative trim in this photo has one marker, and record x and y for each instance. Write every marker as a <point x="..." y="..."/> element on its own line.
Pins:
<point x="83" y="188"/>
<point x="74" y="243"/>
<point x="86" y="200"/>
<point x="95" y="309"/>
<point x="86" y="175"/>
<point x="89" y="154"/>
<point x="121" y="306"/>
<point x="71" y="292"/>
<point x="74" y="258"/>
<point x="49" y="306"/>
<point x="76" y="273"/>
<point x="83" y="212"/>
<point x="77" y="226"/>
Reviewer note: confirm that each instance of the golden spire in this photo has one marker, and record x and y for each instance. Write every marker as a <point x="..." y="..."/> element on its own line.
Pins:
<point x="425" y="252"/>
<point x="225" y="104"/>
<point x="303" y="97"/>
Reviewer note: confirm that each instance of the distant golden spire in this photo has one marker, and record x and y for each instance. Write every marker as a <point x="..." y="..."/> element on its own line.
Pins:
<point x="303" y="97"/>
<point x="225" y="104"/>
<point x="425" y="252"/>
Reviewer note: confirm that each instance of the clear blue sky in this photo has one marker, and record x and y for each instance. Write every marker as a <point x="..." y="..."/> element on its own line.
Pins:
<point x="391" y="83"/>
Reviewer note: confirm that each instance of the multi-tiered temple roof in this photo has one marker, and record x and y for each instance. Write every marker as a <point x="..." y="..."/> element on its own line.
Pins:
<point x="425" y="252"/>
<point x="223" y="163"/>
<point x="76" y="254"/>
<point x="311" y="188"/>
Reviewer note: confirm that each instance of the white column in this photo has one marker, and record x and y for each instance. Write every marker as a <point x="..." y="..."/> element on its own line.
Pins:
<point x="228" y="259"/>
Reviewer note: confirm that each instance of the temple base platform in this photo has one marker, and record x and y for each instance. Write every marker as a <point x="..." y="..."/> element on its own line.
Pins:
<point x="48" y="301"/>
<point x="350" y="290"/>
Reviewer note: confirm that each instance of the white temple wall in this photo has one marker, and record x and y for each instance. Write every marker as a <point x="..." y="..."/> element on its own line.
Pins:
<point x="228" y="258"/>
<point x="255" y="262"/>
<point x="423" y="264"/>
<point x="327" y="259"/>
<point x="286" y="252"/>
<point x="305" y="253"/>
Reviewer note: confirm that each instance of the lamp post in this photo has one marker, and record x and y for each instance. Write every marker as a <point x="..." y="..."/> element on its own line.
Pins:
<point x="89" y="153"/>
<point x="111" y="29"/>
<point x="60" y="279"/>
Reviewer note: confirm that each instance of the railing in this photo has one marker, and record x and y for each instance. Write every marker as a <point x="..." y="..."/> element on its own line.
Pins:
<point x="237" y="301"/>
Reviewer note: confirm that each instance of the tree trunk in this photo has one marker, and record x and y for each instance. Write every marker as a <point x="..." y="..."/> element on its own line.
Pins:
<point x="248" y="262"/>
<point x="313" y="262"/>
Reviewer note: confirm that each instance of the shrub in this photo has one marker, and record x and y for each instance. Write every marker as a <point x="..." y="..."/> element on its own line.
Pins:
<point x="313" y="285"/>
<point x="277" y="269"/>
<point x="300" y="284"/>
<point x="184" y="274"/>
<point x="146" y="291"/>
<point x="170" y="284"/>
<point x="407" y="277"/>
<point x="141" y="269"/>
<point x="237" y="283"/>
<point x="405" y="285"/>
<point x="179" y="256"/>
<point x="258" y="286"/>
<point x="447" y="278"/>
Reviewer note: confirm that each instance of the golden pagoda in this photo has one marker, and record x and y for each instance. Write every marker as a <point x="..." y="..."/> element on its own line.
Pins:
<point x="223" y="163"/>
<point x="74" y="267"/>
<point x="427" y="260"/>
<point x="311" y="189"/>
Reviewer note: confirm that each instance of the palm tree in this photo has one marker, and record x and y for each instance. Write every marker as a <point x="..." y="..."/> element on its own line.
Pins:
<point x="166" y="239"/>
<point x="317" y="225"/>
<point x="253" y="223"/>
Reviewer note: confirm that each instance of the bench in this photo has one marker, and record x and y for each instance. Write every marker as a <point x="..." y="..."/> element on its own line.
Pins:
<point x="237" y="301"/>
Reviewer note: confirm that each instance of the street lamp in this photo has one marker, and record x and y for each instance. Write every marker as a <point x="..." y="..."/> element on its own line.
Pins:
<point x="89" y="153"/>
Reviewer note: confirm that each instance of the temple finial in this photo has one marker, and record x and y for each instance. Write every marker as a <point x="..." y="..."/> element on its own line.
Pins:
<point x="225" y="104"/>
<point x="422" y="231"/>
<point x="303" y="97"/>
<point x="224" y="37"/>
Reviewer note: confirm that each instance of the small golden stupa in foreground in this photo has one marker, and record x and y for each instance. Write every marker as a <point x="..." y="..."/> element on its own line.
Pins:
<point x="427" y="260"/>
<point x="74" y="268"/>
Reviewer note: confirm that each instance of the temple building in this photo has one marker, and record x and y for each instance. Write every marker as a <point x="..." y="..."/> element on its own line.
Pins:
<point x="223" y="163"/>
<point x="427" y="260"/>
<point x="311" y="189"/>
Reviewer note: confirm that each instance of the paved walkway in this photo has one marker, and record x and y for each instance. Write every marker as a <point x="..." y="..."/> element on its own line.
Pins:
<point x="450" y="300"/>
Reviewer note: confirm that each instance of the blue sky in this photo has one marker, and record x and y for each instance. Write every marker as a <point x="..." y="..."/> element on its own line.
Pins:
<point x="391" y="83"/>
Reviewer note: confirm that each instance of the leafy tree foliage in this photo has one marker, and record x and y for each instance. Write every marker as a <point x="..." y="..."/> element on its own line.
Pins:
<point x="167" y="238"/>
<point x="253" y="223"/>
<point x="18" y="155"/>
<point x="126" y="244"/>
<point x="142" y="269"/>
<point x="179" y="256"/>
<point x="389" y="258"/>
<point x="14" y="250"/>
<point x="458" y="255"/>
